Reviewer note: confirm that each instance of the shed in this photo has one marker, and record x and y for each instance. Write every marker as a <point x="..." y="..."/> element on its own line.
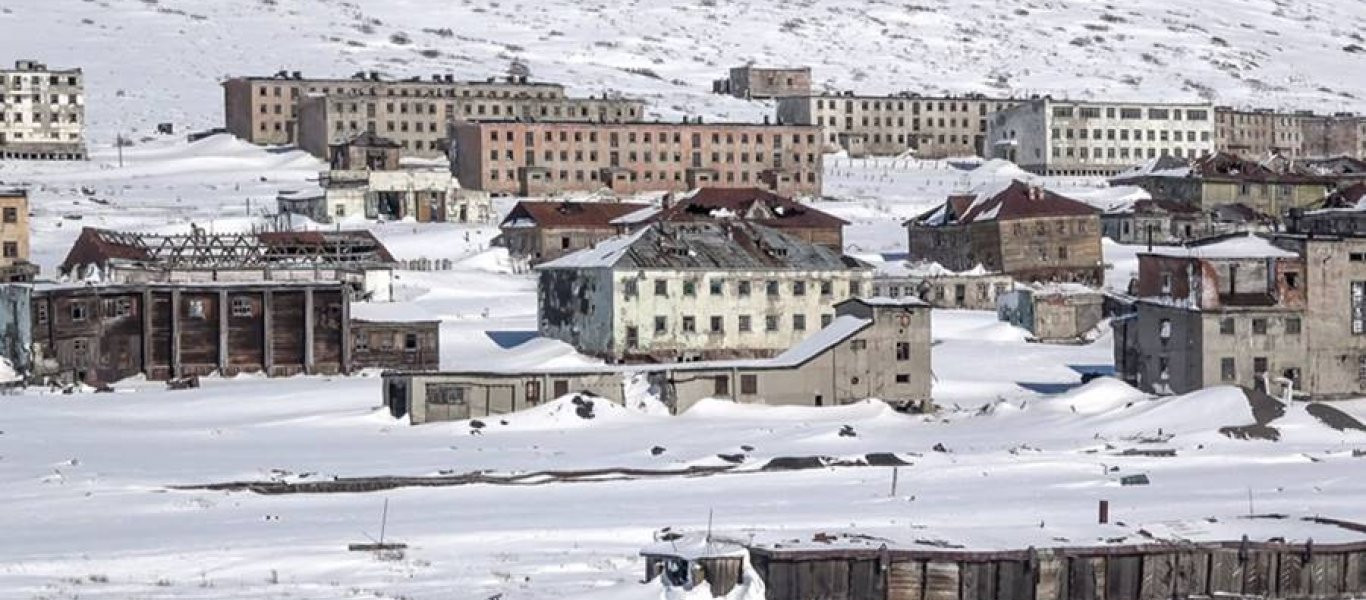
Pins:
<point x="1053" y="312"/>
<point x="687" y="562"/>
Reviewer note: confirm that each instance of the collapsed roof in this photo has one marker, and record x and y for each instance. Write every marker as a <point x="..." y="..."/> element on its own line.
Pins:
<point x="707" y="245"/>
<point x="200" y="250"/>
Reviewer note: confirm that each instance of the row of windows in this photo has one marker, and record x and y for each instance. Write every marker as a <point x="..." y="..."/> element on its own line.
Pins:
<point x="592" y="175"/>
<point x="900" y="105"/>
<point x="38" y="98"/>
<point x="18" y="117"/>
<point x="614" y="137"/>
<point x="646" y="157"/>
<point x="903" y="139"/>
<point x="1087" y="153"/>
<point x="18" y="80"/>
<point x="901" y="122"/>
<point x="1154" y="135"/>
<point x="743" y="324"/>
<point x="743" y="288"/>
<point x="278" y="92"/>
<point x="363" y="342"/>
<point x="195" y="308"/>
<point x="1110" y="112"/>
<point x="41" y="136"/>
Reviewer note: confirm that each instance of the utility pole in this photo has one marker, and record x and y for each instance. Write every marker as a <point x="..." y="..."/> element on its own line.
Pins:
<point x="118" y="143"/>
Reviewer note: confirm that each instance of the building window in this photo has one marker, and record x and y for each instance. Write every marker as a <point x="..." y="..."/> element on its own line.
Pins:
<point x="772" y="287"/>
<point x="749" y="384"/>
<point x="717" y="324"/>
<point x="1226" y="326"/>
<point x="743" y="323"/>
<point x="410" y="342"/>
<point x="630" y="288"/>
<point x="903" y="351"/>
<point x="1358" y="307"/>
<point x="1166" y="283"/>
<point x="689" y="287"/>
<point x="195" y="308"/>
<point x="798" y="322"/>
<point x="1259" y="365"/>
<point x="11" y="249"/>
<point x="1292" y="326"/>
<point x="661" y="324"/>
<point x="770" y="323"/>
<point x="361" y="342"/>
<point x="689" y="324"/>
<point x="858" y="345"/>
<point x="826" y="319"/>
<point x="721" y="386"/>
<point x="717" y="287"/>
<point x="445" y="393"/>
<point x="799" y="288"/>
<point x="533" y="392"/>
<point x="632" y="337"/>
<point x="1259" y="326"/>
<point x="662" y="288"/>
<point x="241" y="307"/>
<point x="42" y="313"/>
<point x="742" y="288"/>
<point x="826" y="288"/>
<point x="1164" y="330"/>
<point x="903" y="378"/>
<point x="1227" y="370"/>
<point x="79" y="312"/>
<point x="11" y="214"/>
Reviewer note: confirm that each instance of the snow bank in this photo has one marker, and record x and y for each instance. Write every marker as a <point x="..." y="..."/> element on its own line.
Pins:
<point x="574" y="411"/>
<point x="1101" y="395"/>
<point x="727" y="410"/>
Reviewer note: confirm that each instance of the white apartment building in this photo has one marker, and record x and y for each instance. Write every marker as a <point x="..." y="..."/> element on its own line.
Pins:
<point x="1061" y="137"/>
<point x="42" y="113"/>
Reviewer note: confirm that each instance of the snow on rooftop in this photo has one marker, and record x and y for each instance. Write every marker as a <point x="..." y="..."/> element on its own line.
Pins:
<point x="635" y="217"/>
<point x="1244" y="246"/>
<point x="604" y="254"/>
<point x="400" y="312"/>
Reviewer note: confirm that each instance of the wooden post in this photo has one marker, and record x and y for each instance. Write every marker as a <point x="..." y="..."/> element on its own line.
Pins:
<point x="308" y="330"/>
<point x="147" y="351"/>
<point x="223" y="333"/>
<point x="345" y="332"/>
<point x="175" y="333"/>
<point x="267" y="334"/>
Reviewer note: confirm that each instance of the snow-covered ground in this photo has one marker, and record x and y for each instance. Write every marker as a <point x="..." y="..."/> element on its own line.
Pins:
<point x="88" y="506"/>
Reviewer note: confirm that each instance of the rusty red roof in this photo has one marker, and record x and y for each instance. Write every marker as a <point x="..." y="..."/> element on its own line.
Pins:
<point x="569" y="214"/>
<point x="1020" y="200"/>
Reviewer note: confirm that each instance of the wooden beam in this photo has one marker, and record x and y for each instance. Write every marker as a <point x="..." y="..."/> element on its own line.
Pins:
<point x="175" y="333"/>
<point x="223" y="360"/>
<point x="147" y="326"/>
<point x="267" y="333"/>
<point x="308" y="330"/>
<point x="345" y="331"/>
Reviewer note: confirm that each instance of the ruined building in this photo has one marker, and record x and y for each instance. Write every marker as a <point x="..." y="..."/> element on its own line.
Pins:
<point x="42" y="113"/>
<point x="14" y="237"/>
<point x="751" y="82"/>
<point x="1219" y="179"/>
<point x="541" y="158"/>
<point x="1021" y="230"/>
<point x="682" y="291"/>
<point x="931" y="127"/>
<point x="536" y="232"/>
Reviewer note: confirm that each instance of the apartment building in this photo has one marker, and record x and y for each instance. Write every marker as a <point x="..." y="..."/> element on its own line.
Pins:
<point x="682" y="291"/>
<point x="1256" y="134"/>
<point x="1020" y="230"/>
<point x="1338" y="134"/>
<point x="756" y="83"/>
<point x="413" y="112"/>
<point x="930" y="126"/>
<point x="42" y="113"/>
<point x="14" y="237"/>
<point x="536" y="232"/>
<point x="540" y="158"/>
<point x="1271" y="314"/>
<point x="1070" y="138"/>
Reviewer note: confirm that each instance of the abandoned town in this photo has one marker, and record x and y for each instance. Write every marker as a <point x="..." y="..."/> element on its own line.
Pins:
<point x="738" y="300"/>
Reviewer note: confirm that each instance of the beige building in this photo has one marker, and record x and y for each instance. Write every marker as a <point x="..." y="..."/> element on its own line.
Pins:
<point x="875" y="348"/>
<point x="683" y="291"/>
<point x="540" y="158"/>
<point x="42" y="113"/>
<point x="752" y="82"/>
<point x="974" y="289"/>
<point x="1256" y="134"/>
<point x="1054" y="312"/>
<point x="1077" y="138"/>
<point x="413" y="112"/>
<point x="1221" y="179"/>
<point x="930" y="126"/>
<point x="14" y="237"/>
<point x="1021" y="230"/>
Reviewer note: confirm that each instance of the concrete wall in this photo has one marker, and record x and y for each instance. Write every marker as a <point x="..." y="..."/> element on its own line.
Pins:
<point x="1089" y="138"/>
<point x="934" y="127"/>
<point x="970" y="292"/>
<point x="1270" y="197"/>
<point x="1337" y="349"/>
<point x="14" y="232"/>
<point x="46" y="113"/>
<point x="577" y="306"/>
<point x="543" y="158"/>
<point x="759" y="83"/>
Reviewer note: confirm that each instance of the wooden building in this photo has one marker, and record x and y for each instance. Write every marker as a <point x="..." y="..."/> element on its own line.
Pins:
<point x="1021" y="230"/>
<point x="107" y="333"/>
<point x="758" y="206"/>
<point x="1218" y="179"/>
<point x="538" y="232"/>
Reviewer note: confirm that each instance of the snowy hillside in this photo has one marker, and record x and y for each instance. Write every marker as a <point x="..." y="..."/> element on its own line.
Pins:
<point x="160" y="60"/>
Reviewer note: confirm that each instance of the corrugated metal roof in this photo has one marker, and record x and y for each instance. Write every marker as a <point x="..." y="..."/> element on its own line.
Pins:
<point x="708" y="245"/>
<point x="571" y="214"/>
<point x="752" y="204"/>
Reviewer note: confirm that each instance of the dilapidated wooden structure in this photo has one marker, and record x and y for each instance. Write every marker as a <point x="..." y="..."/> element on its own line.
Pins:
<point x="1122" y="572"/>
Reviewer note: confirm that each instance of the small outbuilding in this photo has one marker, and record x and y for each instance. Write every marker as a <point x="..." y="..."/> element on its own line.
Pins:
<point x="1056" y="313"/>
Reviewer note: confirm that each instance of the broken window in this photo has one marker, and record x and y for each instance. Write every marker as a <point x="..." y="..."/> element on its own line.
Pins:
<point x="1259" y="326"/>
<point x="798" y="322"/>
<point x="361" y="342"/>
<point x="1227" y="369"/>
<point x="1259" y="365"/>
<point x="749" y="384"/>
<point x="78" y="312"/>
<point x="662" y="288"/>
<point x="241" y="307"/>
<point x="1163" y="368"/>
<point x="689" y="324"/>
<point x="1166" y="283"/>
<point x="742" y="288"/>
<point x="1292" y="326"/>
<point x="717" y="286"/>
<point x="717" y="324"/>
<point x="445" y="393"/>
<point x="1358" y="307"/>
<point x="410" y="342"/>
<point x="1226" y="326"/>
<point x="903" y="351"/>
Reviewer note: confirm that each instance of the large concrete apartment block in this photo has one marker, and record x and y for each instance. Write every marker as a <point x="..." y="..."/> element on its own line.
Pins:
<point x="539" y="158"/>
<point x="42" y="113"/>
<point x="315" y="113"/>
<point x="1256" y="134"/>
<point x="930" y="126"/>
<point x="1059" y="137"/>
<point x="763" y="83"/>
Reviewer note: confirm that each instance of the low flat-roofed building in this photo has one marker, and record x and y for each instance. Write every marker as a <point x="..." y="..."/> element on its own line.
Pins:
<point x="751" y="82"/>
<point x="1054" y="312"/>
<point x="874" y="348"/>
